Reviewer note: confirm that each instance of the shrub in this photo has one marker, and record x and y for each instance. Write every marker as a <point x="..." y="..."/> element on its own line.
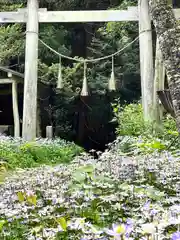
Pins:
<point x="143" y="138"/>
<point x="19" y="154"/>
<point x="130" y="120"/>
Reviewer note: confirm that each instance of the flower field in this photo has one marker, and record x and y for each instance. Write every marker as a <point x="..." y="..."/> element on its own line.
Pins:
<point x="113" y="197"/>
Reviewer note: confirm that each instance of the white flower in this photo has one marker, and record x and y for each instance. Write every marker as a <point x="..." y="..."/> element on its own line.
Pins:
<point x="148" y="228"/>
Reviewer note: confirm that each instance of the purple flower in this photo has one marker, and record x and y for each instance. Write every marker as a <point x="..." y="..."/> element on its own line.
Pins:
<point x="128" y="227"/>
<point x="116" y="231"/>
<point x="147" y="205"/>
<point x="30" y="193"/>
<point x="121" y="230"/>
<point x="10" y="220"/>
<point x="176" y="236"/>
<point x="153" y="212"/>
<point x="129" y="221"/>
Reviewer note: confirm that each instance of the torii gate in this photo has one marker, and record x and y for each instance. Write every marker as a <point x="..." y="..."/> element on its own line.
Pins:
<point x="34" y="15"/>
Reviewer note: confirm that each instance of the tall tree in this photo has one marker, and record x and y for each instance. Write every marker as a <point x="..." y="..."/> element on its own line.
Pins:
<point x="168" y="33"/>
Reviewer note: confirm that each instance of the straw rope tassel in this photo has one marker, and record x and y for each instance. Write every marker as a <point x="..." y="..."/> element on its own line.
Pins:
<point x="84" y="91"/>
<point x="112" y="80"/>
<point x="60" y="81"/>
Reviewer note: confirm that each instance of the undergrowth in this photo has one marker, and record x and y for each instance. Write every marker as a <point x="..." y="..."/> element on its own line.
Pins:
<point x="19" y="154"/>
<point x="140" y="137"/>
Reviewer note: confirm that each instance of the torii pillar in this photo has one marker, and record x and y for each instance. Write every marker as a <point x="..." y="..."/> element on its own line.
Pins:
<point x="31" y="72"/>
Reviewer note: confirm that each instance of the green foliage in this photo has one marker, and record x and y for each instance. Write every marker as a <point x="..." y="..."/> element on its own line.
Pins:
<point x="131" y="121"/>
<point x="25" y="155"/>
<point x="170" y="129"/>
<point x="150" y="146"/>
<point x="58" y="38"/>
<point x="10" y="47"/>
<point x="142" y="135"/>
<point x="110" y="38"/>
<point x="3" y="171"/>
<point x="72" y="77"/>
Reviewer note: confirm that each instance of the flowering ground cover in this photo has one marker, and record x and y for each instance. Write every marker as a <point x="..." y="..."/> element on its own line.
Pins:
<point x="113" y="197"/>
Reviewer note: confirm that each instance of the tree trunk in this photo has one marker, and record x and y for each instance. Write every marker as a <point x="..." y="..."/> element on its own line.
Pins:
<point x="168" y="33"/>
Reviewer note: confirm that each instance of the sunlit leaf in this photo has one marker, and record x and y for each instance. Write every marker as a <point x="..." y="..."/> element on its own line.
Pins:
<point x="79" y="177"/>
<point x="21" y="196"/>
<point x="32" y="199"/>
<point x="62" y="222"/>
<point x="2" y="222"/>
<point x="37" y="229"/>
<point x="87" y="169"/>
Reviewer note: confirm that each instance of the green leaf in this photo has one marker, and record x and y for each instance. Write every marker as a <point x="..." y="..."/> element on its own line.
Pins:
<point x="125" y="186"/>
<point x="174" y="133"/>
<point x="2" y="177"/>
<point x="158" y="145"/>
<point x="32" y="199"/>
<point x="37" y="229"/>
<point x="2" y="222"/>
<point x="21" y="196"/>
<point x="87" y="169"/>
<point x="3" y="171"/>
<point x="79" y="177"/>
<point x="62" y="222"/>
<point x="154" y="194"/>
<point x="102" y="178"/>
<point x="139" y="190"/>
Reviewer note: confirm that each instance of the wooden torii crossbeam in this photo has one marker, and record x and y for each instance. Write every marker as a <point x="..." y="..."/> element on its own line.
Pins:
<point x="44" y="16"/>
<point x="33" y="15"/>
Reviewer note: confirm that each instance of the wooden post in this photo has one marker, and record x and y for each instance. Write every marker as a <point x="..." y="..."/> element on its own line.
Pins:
<point x="159" y="79"/>
<point x="49" y="132"/>
<point x="15" y="109"/>
<point x="146" y="59"/>
<point x="38" y="127"/>
<point x="31" y="69"/>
